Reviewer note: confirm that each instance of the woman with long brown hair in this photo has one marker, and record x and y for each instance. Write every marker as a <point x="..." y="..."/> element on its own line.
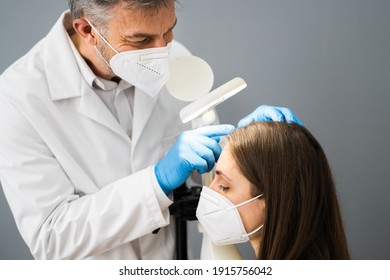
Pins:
<point x="273" y="186"/>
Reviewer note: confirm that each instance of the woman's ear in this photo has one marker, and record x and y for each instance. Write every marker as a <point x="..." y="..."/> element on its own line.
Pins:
<point x="84" y="30"/>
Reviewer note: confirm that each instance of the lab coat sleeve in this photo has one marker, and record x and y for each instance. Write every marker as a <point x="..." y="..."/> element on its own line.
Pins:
<point x="54" y="220"/>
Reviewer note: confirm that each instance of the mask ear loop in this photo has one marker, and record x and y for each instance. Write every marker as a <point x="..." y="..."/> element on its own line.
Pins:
<point x="253" y="231"/>
<point x="101" y="36"/>
<point x="102" y="57"/>
<point x="245" y="202"/>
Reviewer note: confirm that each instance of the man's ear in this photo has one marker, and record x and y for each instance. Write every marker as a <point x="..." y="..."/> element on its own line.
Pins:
<point x="84" y="30"/>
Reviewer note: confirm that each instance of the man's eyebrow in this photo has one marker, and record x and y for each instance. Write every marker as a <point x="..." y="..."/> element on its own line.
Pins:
<point x="220" y="173"/>
<point x="143" y="35"/>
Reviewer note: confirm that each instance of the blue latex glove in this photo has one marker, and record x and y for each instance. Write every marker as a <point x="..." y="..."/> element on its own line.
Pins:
<point x="194" y="150"/>
<point x="269" y="113"/>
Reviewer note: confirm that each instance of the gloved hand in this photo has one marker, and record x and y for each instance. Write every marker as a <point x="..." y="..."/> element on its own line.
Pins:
<point x="269" y="113"/>
<point x="195" y="149"/>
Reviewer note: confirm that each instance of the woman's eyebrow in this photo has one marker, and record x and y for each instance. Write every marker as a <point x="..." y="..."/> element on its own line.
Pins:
<point x="220" y="173"/>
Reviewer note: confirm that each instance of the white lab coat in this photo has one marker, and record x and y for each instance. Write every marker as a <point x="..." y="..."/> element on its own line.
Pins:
<point x="78" y="187"/>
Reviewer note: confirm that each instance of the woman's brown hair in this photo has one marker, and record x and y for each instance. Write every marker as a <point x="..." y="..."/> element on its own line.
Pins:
<point x="287" y="164"/>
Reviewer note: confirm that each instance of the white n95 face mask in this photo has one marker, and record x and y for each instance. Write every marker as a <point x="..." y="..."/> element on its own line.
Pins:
<point x="146" y="69"/>
<point x="220" y="218"/>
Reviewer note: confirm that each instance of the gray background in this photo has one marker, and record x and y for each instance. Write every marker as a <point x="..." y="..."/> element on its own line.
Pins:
<point x="329" y="61"/>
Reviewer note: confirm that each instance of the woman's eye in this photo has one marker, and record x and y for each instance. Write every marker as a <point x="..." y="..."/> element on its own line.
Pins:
<point x="223" y="188"/>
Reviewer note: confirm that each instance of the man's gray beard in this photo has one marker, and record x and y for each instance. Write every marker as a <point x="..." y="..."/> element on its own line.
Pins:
<point x="103" y="57"/>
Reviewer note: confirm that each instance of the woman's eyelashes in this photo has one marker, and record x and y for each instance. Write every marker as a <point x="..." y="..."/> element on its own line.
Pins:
<point x="223" y="188"/>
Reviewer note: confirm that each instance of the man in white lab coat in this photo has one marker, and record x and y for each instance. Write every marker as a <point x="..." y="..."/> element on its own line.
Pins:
<point x="91" y="145"/>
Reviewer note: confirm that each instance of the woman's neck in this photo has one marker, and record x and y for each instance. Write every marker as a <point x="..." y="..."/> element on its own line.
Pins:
<point x="255" y="242"/>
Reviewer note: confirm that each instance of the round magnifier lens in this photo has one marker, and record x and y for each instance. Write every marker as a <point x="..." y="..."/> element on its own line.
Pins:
<point x="190" y="78"/>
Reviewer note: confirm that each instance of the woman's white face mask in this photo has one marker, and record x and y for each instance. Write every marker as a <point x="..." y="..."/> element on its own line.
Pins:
<point x="220" y="218"/>
<point x="146" y="69"/>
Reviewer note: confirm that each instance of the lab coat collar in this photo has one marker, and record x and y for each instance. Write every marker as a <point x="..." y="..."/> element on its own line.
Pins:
<point x="63" y="74"/>
<point x="65" y="81"/>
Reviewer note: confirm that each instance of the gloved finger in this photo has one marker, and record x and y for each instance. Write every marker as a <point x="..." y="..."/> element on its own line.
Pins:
<point x="208" y="149"/>
<point x="289" y="116"/>
<point x="263" y="113"/>
<point x="198" y="163"/>
<point x="214" y="146"/>
<point x="201" y="159"/>
<point x="204" y="169"/>
<point x="245" y="121"/>
<point x="216" y="138"/>
<point x="271" y="113"/>
<point x="215" y="130"/>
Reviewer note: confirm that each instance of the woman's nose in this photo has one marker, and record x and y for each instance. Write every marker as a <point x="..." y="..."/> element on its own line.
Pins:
<point x="214" y="185"/>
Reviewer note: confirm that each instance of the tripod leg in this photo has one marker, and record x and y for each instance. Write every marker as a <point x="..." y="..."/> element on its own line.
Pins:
<point x="181" y="239"/>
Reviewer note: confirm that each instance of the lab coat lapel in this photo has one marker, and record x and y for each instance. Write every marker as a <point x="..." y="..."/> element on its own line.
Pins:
<point x="143" y="108"/>
<point x="65" y="81"/>
<point x="93" y="107"/>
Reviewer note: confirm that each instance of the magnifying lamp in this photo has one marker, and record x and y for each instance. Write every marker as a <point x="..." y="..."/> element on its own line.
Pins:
<point x="209" y="101"/>
<point x="191" y="79"/>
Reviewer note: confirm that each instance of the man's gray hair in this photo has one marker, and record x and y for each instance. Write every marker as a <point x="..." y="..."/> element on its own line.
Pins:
<point x="98" y="10"/>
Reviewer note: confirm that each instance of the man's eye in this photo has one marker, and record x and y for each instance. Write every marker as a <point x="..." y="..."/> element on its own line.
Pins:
<point x="139" y="42"/>
<point x="223" y="188"/>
